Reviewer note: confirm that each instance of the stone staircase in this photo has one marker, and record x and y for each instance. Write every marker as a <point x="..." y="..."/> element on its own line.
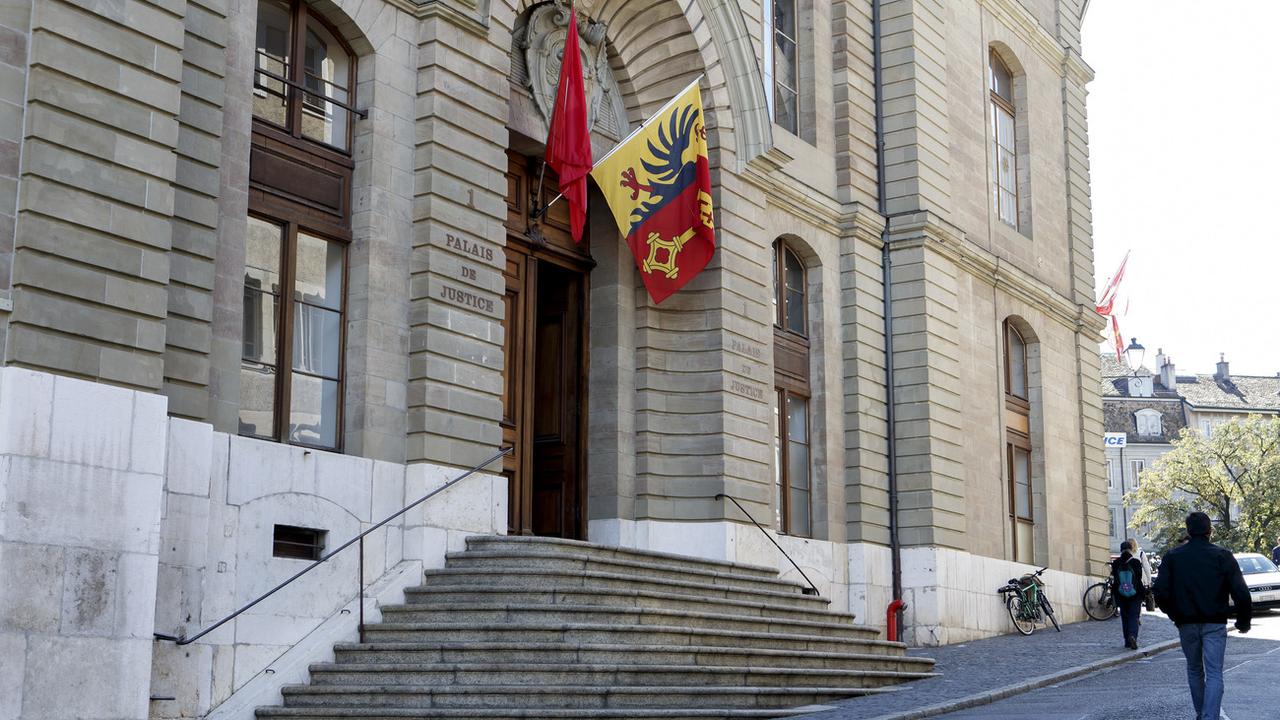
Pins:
<point x="524" y="627"/>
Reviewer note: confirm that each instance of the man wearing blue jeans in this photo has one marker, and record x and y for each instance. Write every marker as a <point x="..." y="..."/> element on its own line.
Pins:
<point x="1192" y="588"/>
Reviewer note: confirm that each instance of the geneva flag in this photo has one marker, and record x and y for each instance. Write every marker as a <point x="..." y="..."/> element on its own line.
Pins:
<point x="658" y="185"/>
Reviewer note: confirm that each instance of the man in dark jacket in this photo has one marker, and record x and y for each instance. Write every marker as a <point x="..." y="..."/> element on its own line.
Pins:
<point x="1275" y="553"/>
<point x="1192" y="588"/>
<point x="1129" y="591"/>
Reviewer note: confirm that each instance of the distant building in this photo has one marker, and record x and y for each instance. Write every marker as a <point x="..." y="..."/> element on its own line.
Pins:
<point x="1153" y="408"/>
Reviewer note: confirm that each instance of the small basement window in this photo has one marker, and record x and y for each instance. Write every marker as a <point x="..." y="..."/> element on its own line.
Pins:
<point x="298" y="543"/>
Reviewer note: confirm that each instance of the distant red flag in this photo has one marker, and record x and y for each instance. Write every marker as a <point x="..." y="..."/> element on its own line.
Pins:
<point x="569" y="141"/>
<point x="1108" y="298"/>
<point x="1115" y="330"/>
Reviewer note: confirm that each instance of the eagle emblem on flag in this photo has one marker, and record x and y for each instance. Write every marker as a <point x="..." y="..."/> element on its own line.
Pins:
<point x="658" y="186"/>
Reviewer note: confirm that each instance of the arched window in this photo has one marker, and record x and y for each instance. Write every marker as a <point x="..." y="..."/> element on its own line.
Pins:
<point x="310" y="99"/>
<point x="1004" y="142"/>
<point x="1018" y="445"/>
<point x="792" y="433"/>
<point x="300" y="167"/>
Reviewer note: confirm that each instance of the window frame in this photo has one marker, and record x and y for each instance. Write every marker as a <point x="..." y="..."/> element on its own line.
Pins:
<point x="770" y="8"/>
<point x="283" y="386"/>
<point x="792" y="378"/>
<point x="998" y="104"/>
<point x="1136" y="468"/>
<point x="294" y="97"/>
<point x="1018" y="416"/>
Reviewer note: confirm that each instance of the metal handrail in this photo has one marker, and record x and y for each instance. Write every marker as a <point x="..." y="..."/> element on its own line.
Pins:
<point x="306" y="90"/>
<point x="812" y="589"/>
<point x="184" y="640"/>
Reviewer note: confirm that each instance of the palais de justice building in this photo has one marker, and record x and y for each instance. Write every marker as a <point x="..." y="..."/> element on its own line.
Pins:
<point x="274" y="264"/>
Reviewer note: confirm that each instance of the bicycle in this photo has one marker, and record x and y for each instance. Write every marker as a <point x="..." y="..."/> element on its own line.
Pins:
<point x="1026" y="602"/>
<point x="1099" y="602"/>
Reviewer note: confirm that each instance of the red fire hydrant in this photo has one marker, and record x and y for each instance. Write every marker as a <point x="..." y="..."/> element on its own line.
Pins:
<point x="891" y="618"/>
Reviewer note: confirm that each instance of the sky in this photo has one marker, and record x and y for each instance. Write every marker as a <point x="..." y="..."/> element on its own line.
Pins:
<point x="1184" y="136"/>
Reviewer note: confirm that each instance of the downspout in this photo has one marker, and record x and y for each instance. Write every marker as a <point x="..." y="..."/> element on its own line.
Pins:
<point x="882" y="206"/>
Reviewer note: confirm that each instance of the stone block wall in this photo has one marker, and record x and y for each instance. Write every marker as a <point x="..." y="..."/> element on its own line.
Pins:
<point x="80" y="519"/>
<point x="94" y="216"/>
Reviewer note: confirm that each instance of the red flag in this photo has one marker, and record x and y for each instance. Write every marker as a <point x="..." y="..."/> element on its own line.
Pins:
<point x="1108" y="298"/>
<point x="1115" y="331"/>
<point x="569" y="141"/>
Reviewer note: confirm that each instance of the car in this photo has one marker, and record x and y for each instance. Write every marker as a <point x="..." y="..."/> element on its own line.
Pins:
<point x="1263" y="579"/>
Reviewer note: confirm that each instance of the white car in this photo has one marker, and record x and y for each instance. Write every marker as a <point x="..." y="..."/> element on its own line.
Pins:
<point x="1263" y="579"/>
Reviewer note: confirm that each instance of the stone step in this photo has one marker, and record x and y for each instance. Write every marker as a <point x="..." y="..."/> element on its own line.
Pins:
<point x="859" y="656"/>
<point x="549" y="579"/>
<point x="560" y="696"/>
<point x="609" y="616"/>
<point x="532" y="544"/>
<point x="588" y="633"/>
<point x="433" y="595"/>
<point x="596" y="675"/>
<point x="575" y="562"/>
<point x="309" y="713"/>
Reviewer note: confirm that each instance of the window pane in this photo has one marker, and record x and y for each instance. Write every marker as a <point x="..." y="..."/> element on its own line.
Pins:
<point x="801" y="520"/>
<point x="317" y="340"/>
<point x="261" y="320"/>
<point x="269" y="96"/>
<point x="797" y="419"/>
<point x="1004" y="129"/>
<point x="794" y="278"/>
<point x="260" y="325"/>
<point x="1001" y="82"/>
<point x="777" y="460"/>
<point x="319" y="271"/>
<point x="263" y="244"/>
<point x="1017" y="364"/>
<point x="326" y="74"/>
<point x="1026" y="543"/>
<point x="785" y="112"/>
<point x="257" y="400"/>
<point x="777" y="318"/>
<point x="1008" y="170"/>
<point x="1022" y="482"/>
<point x="313" y="419"/>
<point x="1008" y="208"/>
<point x="784" y="17"/>
<point x="798" y="466"/>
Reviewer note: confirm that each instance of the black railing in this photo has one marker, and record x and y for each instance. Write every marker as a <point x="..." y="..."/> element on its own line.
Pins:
<point x="812" y="589"/>
<point x="301" y="87"/>
<point x="359" y="539"/>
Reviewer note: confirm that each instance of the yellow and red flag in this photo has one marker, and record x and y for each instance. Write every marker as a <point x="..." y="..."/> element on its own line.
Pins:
<point x="658" y="185"/>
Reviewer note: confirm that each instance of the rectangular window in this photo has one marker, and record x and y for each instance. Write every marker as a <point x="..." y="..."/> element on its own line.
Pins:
<point x="1114" y="523"/>
<point x="792" y="463"/>
<point x="1021" y="505"/>
<point x="297" y="543"/>
<point x="1135" y="469"/>
<point x="786" y="110"/>
<point x="1111" y="470"/>
<point x="291" y="369"/>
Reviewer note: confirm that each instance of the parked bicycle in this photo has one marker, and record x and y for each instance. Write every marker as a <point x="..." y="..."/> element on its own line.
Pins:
<point x="1099" y="602"/>
<point x="1026" y="602"/>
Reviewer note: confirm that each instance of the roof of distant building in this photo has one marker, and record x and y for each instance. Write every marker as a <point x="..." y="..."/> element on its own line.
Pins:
<point x="1236" y="392"/>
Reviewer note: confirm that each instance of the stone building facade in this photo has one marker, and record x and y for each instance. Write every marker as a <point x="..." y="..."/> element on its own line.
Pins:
<point x="272" y="265"/>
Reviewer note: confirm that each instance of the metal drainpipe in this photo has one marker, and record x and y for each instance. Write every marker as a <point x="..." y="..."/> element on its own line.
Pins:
<point x="882" y="205"/>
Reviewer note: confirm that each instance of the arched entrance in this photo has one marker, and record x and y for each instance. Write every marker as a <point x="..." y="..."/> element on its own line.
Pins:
<point x="544" y="400"/>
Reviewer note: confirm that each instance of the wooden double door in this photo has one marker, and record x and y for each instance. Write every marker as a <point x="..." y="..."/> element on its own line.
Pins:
<point x="545" y="375"/>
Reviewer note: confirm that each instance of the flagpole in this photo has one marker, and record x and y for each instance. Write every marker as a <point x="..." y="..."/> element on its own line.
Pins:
<point x="542" y="213"/>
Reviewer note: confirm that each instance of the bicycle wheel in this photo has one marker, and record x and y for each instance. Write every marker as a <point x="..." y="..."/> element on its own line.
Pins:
<point x="1098" y="603"/>
<point x="1047" y="607"/>
<point x="1022" y="616"/>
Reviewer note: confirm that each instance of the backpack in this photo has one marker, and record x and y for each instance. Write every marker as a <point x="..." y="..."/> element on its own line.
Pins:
<point x="1124" y="581"/>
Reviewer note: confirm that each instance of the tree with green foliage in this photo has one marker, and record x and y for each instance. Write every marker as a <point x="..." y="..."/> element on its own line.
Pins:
<point x="1233" y="476"/>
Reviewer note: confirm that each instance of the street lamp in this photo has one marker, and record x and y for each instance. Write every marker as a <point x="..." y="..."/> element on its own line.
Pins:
<point x="1134" y="354"/>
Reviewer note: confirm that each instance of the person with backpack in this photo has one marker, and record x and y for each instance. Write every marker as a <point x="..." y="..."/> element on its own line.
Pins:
<point x="1192" y="588"/>
<point x="1129" y="591"/>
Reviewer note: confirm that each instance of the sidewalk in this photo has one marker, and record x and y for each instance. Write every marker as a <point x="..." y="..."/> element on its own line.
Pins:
<point x="983" y="671"/>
